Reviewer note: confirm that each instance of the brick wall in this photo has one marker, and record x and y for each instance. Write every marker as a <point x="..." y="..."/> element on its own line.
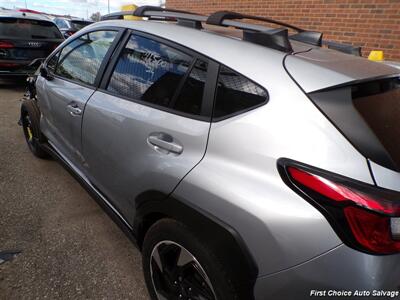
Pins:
<point x="372" y="24"/>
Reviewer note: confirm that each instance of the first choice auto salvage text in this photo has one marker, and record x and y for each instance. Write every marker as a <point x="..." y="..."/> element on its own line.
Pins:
<point x="355" y="293"/>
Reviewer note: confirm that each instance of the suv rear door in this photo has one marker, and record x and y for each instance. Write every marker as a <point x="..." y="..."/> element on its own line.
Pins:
<point x="148" y="125"/>
<point x="74" y="72"/>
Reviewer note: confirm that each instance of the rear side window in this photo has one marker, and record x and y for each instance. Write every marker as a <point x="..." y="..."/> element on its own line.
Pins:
<point x="368" y="114"/>
<point x="149" y="71"/>
<point x="236" y="93"/>
<point x="190" y="98"/>
<point x="14" y="28"/>
<point x="81" y="59"/>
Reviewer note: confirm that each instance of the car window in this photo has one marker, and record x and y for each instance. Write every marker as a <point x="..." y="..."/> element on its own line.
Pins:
<point x="61" y="23"/>
<point x="78" y="25"/>
<point x="28" y="29"/>
<point x="236" y="93"/>
<point x="148" y="71"/>
<point x="80" y="60"/>
<point x="52" y="63"/>
<point x="191" y="97"/>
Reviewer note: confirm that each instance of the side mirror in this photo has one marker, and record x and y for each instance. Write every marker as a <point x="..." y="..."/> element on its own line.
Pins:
<point x="44" y="72"/>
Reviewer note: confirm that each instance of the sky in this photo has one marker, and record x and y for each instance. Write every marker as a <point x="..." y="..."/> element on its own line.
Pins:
<point x="78" y="8"/>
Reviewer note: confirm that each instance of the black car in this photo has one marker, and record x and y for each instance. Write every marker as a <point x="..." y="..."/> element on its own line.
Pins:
<point x="69" y="26"/>
<point x="25" y="40"/>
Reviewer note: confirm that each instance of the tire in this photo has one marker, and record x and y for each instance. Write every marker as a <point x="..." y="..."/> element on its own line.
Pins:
<point x="30" y="121"/>
<point x="183" y="277"/>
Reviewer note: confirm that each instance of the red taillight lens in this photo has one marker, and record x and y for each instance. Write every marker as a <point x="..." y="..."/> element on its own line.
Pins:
<point x="371" y="230"/>
<point x="7" y="65"/>
<point x="339" y="192"/>
<point x="6" y="45"/>
<point x="361" y="214"/>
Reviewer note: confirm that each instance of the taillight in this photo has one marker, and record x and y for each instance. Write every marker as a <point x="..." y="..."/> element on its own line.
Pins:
<point x="7" y="65"/>
<point x="364" y="216"/>
<point x="69" y="33"/>
<point x="6" y="45"/>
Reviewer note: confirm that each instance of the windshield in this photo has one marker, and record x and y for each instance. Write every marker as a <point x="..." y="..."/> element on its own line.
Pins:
<point x="368" y="114"/>
<point x="78" y="25"/>
<point x="12" y="28"/>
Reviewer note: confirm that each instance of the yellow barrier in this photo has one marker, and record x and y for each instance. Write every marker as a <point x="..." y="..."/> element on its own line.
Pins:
<point x="127" y="8"/>
<point x="376" y="55"/>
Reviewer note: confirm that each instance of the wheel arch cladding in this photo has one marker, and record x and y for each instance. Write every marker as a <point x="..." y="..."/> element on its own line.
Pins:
<point x="226" y="243"/>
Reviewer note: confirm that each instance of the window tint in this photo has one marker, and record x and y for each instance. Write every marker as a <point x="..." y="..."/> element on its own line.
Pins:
<point x="236" y="93"/>
<point x="191" y="96"/>
<point x="52" y="63"/>
<point x="149" y="71"/>
<point x="28" y="29"/>
<point x="80" y="60"/>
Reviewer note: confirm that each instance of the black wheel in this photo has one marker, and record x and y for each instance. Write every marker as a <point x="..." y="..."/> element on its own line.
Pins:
<point x="30" y="118"/>
<point x="178" y="266"/>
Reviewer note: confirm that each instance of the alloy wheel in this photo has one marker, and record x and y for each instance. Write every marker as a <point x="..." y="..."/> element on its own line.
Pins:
<point x="177" y="274"/>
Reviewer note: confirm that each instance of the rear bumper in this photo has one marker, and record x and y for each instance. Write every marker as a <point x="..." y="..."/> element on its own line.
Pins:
<point x="21" y="68"/>
<point x="340" y="269"/>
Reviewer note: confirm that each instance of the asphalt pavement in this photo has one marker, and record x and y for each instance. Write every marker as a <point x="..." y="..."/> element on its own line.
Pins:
<point x="69" y="247"/>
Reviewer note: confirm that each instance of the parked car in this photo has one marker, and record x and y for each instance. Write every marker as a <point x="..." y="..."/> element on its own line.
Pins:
<point x="25" y="40"/>
<point x="264" y="167"/>
<point x="69" y="26"/>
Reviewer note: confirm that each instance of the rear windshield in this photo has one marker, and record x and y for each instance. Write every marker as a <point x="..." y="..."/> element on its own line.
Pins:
<point x="78" y="25"/>
<point x="28" y="29"/>
<point x="368" y="114"/>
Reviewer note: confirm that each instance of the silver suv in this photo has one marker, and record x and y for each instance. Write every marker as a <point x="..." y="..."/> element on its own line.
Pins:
<point x="245" y="162"/>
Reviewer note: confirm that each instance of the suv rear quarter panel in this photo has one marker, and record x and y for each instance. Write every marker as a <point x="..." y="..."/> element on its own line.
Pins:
<point x="238" y="181"/>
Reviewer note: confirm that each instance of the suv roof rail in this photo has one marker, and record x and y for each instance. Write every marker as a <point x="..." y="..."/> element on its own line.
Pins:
<point x="142" y="10"/>
<point x="345" y="48"/>
<point x="159" y="13"/>
<point x="273" y="38"/>
<point x="221" y="18"/>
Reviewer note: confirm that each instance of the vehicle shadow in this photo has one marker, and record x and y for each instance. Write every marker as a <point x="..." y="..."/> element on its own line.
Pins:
<point x="16" y="84"/>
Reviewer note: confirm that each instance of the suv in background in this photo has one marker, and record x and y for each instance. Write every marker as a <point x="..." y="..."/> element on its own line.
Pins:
<point x="68" y="26"/>
<point x="259" y="167"/>
<point x="26" y="39"/>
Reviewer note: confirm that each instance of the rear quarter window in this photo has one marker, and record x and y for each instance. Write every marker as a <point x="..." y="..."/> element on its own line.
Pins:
<point x="236" y="94"/>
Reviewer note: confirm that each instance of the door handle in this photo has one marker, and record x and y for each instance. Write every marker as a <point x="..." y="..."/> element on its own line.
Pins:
<point x="165" y="142"/>
<point x="74" y="110"/>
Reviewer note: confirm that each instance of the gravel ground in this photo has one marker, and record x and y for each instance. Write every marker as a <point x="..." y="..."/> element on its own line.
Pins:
<point x="70" y="248"/>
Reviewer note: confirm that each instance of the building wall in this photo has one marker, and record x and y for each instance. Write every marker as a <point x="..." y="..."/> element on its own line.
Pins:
<point x="372" y="24"/>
